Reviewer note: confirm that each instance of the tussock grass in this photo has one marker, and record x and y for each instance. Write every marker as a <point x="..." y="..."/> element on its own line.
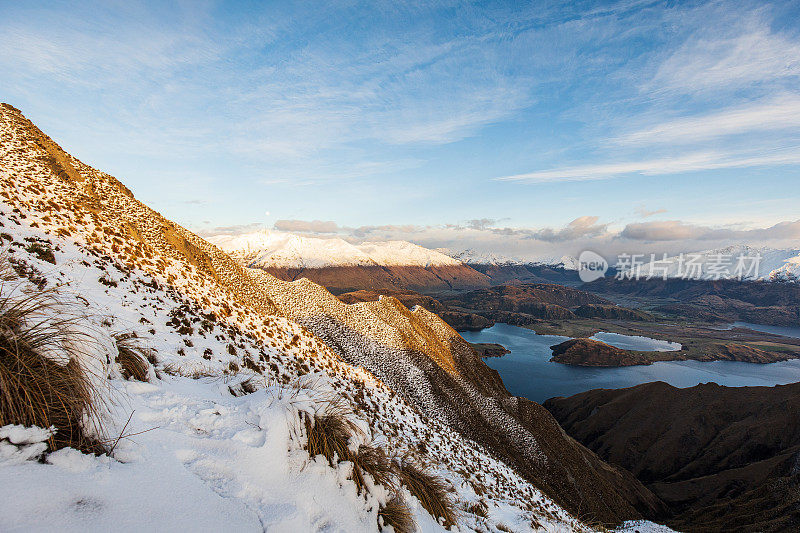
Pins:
<point x="374" y="461"/>
<point x="247" y="386"/>
<point x="133" y="357"/>
<point x="397" y="514"/>
<point x="328" y="433"/>
<point x="432" y="491"/>
<point x="42" y="381"/>
<point x="478" y="508"/>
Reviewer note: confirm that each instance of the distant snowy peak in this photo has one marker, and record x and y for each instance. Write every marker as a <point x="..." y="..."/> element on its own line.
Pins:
<point x="474" y="257"/>
<point x="286" y="250"/>
<point x="404" y="253"/>
<point x="567" y="262"/>
<point x="730" y="262"/>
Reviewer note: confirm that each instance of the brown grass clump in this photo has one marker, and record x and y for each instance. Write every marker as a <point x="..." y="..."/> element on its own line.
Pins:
<point x="133" y="357"/>
<point x="431" y="490"/>
<point x="329" y="433"/>
<point x="397" y="514"/>
<point x="42" y="251"/>
<point x="374" y="461"/>
<point x="36" y="390"/>
<point x="478" y="508"/>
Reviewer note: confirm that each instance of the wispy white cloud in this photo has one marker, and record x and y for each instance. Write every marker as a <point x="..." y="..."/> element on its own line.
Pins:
<point x="677" y="230"/>
<point x="692" y="162"/>
<point x="779" y="113"/>
<point x="531" y="243"/>
<point x="307" y="104"/>
<point x="646" y="213"/>
<point x="747" y="51"/>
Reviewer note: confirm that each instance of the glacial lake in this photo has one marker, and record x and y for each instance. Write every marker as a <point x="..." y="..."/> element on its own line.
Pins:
<point x="527" y="370"/>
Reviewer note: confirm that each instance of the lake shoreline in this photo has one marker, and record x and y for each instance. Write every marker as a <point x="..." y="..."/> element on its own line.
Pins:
<point x="528" y="371"/>
<point x="697" y="342"/>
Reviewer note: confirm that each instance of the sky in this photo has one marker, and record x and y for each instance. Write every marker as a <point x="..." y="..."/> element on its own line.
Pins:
<point x="525" y="129"/>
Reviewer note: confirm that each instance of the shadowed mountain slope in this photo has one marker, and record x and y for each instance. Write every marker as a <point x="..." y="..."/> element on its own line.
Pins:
<point x="723" y="458"/>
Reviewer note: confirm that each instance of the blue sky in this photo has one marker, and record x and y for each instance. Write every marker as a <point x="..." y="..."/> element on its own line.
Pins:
<point x="524" y="129"/>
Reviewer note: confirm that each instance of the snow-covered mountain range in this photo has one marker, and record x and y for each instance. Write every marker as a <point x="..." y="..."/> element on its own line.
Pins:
<point x="730" y="262"/>
<point x="471" y="256"/>
<point x="276" y="249"/>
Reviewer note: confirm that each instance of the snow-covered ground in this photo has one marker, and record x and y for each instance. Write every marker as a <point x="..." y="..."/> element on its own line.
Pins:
<point x="194" y="455"/>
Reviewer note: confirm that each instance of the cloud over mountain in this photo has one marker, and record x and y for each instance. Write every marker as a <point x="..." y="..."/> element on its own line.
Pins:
<point x="583" y="233"/>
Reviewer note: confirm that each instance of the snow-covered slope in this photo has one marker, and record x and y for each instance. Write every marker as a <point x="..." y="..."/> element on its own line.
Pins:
<point x="404" y="253"/>
<point x="214" y="440"/>
<point x="277" y="249"/>
<point x="475" y="257"/>
<point x="199" y="457"/>
<point x="730" y="262"/>
<point x="471" y="256"/>
<point x="567" y="262"/>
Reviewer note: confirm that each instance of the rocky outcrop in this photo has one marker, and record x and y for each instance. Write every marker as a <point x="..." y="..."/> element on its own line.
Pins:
<point x="484" y="349"/>
<point x="722" y="458"/>
<point x="466" y="321"/>
<point x="589" y="352"/>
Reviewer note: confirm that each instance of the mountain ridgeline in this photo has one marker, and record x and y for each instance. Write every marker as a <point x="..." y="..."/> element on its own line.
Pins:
<point x="722" y="458"/>
<point x="413" y="352"/>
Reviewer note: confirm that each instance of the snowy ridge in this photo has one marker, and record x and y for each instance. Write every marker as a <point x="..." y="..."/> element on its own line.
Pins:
<point x="567" y="262"/>
<point x="475" y="257"/>
<point x="275" y="249"/>
<point x="757" y="263"/>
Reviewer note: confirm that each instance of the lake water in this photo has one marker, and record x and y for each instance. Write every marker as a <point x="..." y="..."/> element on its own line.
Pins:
<point x="636" y="342"/>
<point x="777" y="330"/>
<point x="527" y="370"/>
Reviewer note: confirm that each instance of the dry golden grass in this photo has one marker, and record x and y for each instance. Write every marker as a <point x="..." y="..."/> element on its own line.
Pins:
<point x="35" y="389"/>
<point x="133" y="357"/>
<point x="328" y="433"/>
<point x="397" y="514"/>
<point x="374" y="461"/>
<point x="478" y="508"/>
<point x="431" y="490"/>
